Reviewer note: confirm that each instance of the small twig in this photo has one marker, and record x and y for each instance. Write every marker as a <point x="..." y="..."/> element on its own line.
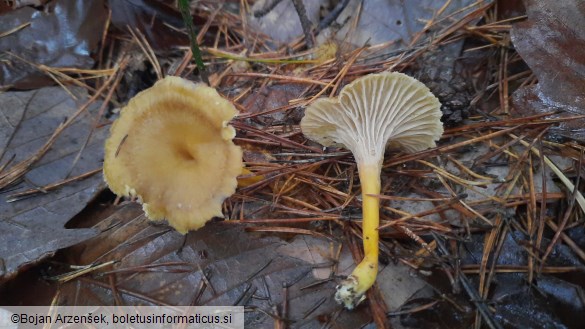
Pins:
<point x="44" y="189"/>
<point x="125" y="291"/>
<point x="62" y="278"/>
<point x="279" y="77"/>
<point x="203" y="284"/>
<point x="314" y="307"/>
<point x="100" y="114"/>
<point x="414" y="309"/>
<point x="332" y="16"/>
<point x="204" y="277"/>
<point x="17" y="171"/>
<point x="188" y="20"/>
<point x="305" y="22"/>
<point x="147" y="50"/>
<point x="281" y="323"/>
<point x="565" y="219"/>
<point x="245" y="295"/>
<point x="14" y="30"/>
<point x="473" y="294"/>
<point x="264" y="11"/>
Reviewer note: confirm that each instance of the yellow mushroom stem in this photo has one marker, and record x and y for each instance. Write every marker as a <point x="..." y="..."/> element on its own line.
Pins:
<point x="352" y="290"/>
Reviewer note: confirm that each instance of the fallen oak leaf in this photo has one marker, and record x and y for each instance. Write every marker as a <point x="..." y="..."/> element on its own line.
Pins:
<point x="41" y="130"/>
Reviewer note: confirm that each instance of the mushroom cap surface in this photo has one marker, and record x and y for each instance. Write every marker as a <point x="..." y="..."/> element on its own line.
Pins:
<point x="172" y="147"/>
<point x="374" y="111"/>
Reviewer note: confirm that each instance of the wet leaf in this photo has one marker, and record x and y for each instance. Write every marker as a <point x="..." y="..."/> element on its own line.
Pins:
<point x="399" y="25"/>
<point x="266" y="103"/>
<point x="552" y="42"/>
<point x="510" y="8"/>
<point x="238" y="264"/>
<point x="398" y="285"/>
<point x="548" y="303"/>
<point x="154" y="264"/>
<point x="553" y="303"/>
<point x="153" y="19"/>
<point x="63" y="34"/>
<point x="21" y="3"/>
<point x="382" y="21"/>
<point x="281" y="22"/>
<point x="5" y="7"/>
<point x="32" y="227"/>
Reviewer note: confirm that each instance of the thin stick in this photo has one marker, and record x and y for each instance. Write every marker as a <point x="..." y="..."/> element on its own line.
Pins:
<point x="188" y="20"/>
<point x="579" y="197"/>
<point x="305" y="22"/>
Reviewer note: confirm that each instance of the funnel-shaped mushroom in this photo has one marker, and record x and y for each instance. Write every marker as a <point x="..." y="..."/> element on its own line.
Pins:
<point x="369" y="114"/>
<point x="172" y="147"/>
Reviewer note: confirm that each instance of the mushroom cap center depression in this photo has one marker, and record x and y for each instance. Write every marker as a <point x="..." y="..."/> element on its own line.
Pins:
<point x="182" y="149"/>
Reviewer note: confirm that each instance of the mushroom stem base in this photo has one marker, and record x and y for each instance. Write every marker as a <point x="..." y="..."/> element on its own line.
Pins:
<point x="352" y="291"/>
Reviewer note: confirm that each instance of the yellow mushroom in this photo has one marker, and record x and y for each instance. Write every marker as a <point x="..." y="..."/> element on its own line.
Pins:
<point x="172" y="148"/>
<point x="370" y="113"/>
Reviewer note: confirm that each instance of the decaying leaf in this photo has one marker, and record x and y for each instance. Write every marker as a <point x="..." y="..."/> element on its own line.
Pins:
<point x="552" y="42"/>
<point x="238" y="265"/>
<point x="279" y="19"/>
<point x="154" y="264"/>
<point x="157" y="20"/>
<point x="5" y="7"/>
<point x="553" y="302"/>
<point x="379" y="21"/>
<point x="32" y="213"/>
<point x="399" y="25"/>
<point x="21" y="3"/>
<point x="273" y="99"/>
<point x="62" y="35"/>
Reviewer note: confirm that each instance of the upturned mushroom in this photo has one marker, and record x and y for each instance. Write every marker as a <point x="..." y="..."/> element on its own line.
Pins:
<point x="172" y="148"/>
<point x="369" y="114"/>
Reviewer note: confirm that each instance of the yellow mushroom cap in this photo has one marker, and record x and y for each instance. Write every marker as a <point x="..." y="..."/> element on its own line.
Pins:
<point x="373" y="111"/>
<point x="172" y="147"/>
